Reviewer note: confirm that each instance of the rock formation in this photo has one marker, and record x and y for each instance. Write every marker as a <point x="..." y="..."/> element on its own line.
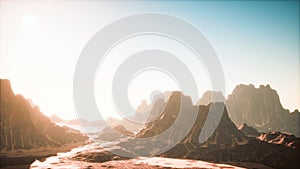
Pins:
<point x="280" y="139"/>
<point x="248" y="131"/>
<point x="25" y="127"/>
<point x="226" y="134"/>
<point x="226" y="143"/>
<point x="261" y="109"/>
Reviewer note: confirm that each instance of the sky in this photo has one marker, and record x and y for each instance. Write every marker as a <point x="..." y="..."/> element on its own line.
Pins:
<point x="40" y="42"/>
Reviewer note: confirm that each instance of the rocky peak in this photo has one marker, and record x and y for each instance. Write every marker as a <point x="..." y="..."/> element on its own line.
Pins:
<point x="25" y="127"/>
<point x="162" y="118"/>
<point x="226" y="134"/>
<point x="296" y="111"/>
<point x="261" y="108"/>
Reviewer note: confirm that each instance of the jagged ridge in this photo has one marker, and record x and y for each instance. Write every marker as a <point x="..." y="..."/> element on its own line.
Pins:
<point x="25" y="127"/>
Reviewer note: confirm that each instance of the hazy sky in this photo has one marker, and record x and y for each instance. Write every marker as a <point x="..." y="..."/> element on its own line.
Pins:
<point x="40" y="42"/>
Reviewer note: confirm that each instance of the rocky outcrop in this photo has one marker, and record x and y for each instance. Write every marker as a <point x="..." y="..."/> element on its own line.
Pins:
<point x="261" y="109"/>
<point x="23" y="126"/>
<point x="257" y="151"/>
<point x="248" y="130"/>
<point x="113" y="133"/>
<point x="280" y="139"/>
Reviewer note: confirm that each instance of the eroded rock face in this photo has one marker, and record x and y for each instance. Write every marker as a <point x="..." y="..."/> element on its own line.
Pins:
<point x="261" y="109"/>
<point x="23" y="126"/>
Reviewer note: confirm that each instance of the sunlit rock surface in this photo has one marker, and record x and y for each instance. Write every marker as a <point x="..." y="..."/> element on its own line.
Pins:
<point x="261" y="109"/>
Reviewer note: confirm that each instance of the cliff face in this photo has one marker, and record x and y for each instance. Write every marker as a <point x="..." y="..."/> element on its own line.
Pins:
<point x="261" y="108"/>
<point x="23" y="126"/>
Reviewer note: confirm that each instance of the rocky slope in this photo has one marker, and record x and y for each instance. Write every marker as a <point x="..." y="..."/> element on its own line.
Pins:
<point x="248" y="130"/>
<point x="225" y="135"/>
<point x="261" y="109"/>
<point x="226" y="143"/>
<point x="181" y="107"/>
<point x="24" y="127"/>
<point x="280" y="139"/>
<point x="257" y="151"/>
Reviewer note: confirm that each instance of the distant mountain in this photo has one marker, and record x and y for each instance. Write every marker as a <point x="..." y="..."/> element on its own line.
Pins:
<point x="98" y="123"/>
<point x="143" y="107"/>
<point x="78" y="122"/>
<point x="211" y="97"/>
<point x="111" y="121"/>
<point x="144" y="113"/>
<point x="112" y="133"/>
<point x="25" y="127"/>
<point x="55" y="119"/>
<point x="261" y="109"/>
